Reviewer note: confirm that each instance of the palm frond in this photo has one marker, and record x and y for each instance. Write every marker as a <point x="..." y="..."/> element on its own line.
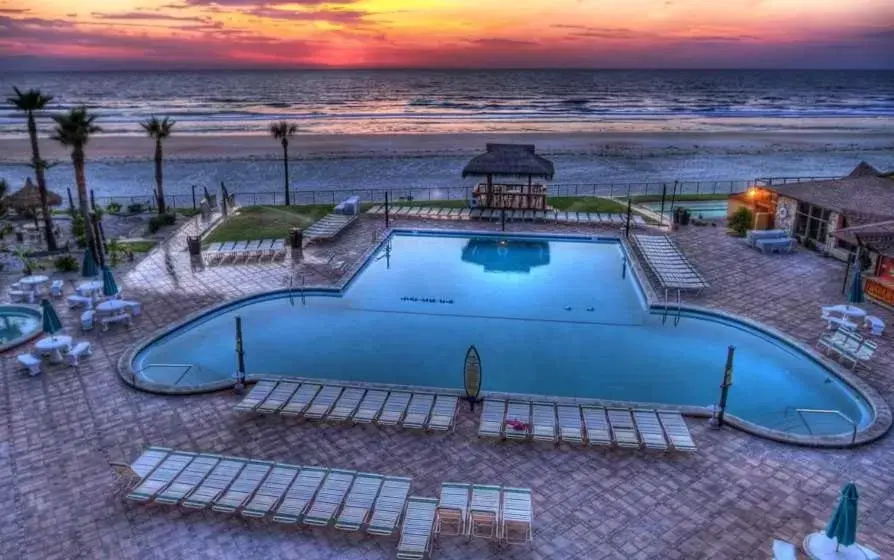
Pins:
<point x="158" y="129"/>
<point x="28" y="101"/>
<point x="283" y="130"/>
<point x="75" y="127"/>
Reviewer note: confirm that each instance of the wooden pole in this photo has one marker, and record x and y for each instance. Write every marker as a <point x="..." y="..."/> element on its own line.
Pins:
<point x="387" y="218"/>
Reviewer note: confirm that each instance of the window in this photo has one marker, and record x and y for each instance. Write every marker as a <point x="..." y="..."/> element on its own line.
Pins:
<point x="812" y="222"/>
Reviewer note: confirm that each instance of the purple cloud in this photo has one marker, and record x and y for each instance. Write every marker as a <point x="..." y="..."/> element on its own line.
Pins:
<point x="145" y="16"/>
<point x="497" y="42"/>
<point x="334" y="16"/>
<point x="14" y="11"/>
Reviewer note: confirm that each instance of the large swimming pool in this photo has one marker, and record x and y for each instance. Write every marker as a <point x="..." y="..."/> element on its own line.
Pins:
<point x="549" y="316"/>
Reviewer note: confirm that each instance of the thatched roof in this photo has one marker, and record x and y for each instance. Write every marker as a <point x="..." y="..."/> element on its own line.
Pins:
<point x="851" y="195"/>
<point x="863" y="169"/>
<point x="878" y="236"/>
<point x="29" y="197"/>
<point x="510" y="159"/>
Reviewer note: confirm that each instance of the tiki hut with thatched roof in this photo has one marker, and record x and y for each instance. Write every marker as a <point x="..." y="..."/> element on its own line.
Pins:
<point x="26" y="201"/>
<point x="506" y="162"/>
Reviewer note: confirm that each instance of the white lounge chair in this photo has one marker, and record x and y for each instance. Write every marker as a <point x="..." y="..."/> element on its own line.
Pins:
<point x="492" y="415"/>
<point x="676" y="430"/>
<point x="359" y="502"/>
<point x="346" y="404"/>
<point x="596" y="424"/>
<point x="80" y="350"/>
<point x="323" y="402"/>
<point x="415" y="533"/>
<point x="161" y="476"/>
<point x="215" y="483"/>
<point x="329" y="498"/>
<point x="271" y="491"/>
<point x="256" y="396"/>
<point x="543" y="425"/>
<point x="862" y="354"/>
<point x="300" y="495"/>
<point x="188" y="480"/>
<point x="389" y="506"/>
<point x="453" y="509"/>
<point x="31" y="363"/>
<point x="300" y="400"/>
<point x="393" y="411"/>
<point x="418" y="410"/>
<point x="521" y="412"/>
<point x="649" y="428"/>
<point x="623" y="429"/>
<point x="570" y="427"/>
<point x="484" y="512"/>
<point x="243" y="488"/>
<point x="278" y="397"/>
<point x="369" y="408"/>
<point x="516" y="516"/>
<point x="443" y="414"/>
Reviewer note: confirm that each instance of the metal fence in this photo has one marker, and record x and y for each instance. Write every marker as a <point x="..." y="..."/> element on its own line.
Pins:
<point x="334" y="196"/>
<point x="770" y="181"/>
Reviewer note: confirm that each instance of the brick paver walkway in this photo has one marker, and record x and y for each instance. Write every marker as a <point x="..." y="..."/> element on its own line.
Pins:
<point x="727" y="501"/>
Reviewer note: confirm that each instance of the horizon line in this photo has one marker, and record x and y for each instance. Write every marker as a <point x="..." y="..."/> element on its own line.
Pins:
<point x="443" y="69"/>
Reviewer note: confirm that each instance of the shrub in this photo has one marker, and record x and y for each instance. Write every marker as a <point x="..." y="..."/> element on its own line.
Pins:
<point x="113" y="207"/>
<point x="156" y="222"/>
<point x="741" y="221"/>
<point x="78" y="231"/>
<point x="66" y="263"/>
<point x="135" y="208"/>
<point x="168" y="218"/>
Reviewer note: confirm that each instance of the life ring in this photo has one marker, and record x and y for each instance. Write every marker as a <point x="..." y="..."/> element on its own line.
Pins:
<point x="783" y="212"/>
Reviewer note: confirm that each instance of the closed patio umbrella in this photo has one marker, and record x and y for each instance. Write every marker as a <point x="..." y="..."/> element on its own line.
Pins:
<point x="856" y="293"/>
<point x="843" y="525"/>
<point x="88" y="265"/>
<point x="51" y="322"/>
<point x="109" y="287"/>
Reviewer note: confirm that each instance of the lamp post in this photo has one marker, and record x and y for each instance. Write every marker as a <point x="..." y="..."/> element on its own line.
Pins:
<point x="717" y="420"/>
<point x="386" y="210"/>
<point x="627" y="226"/>
<point x="240" y="358"/>
<point x="502" y="219"/>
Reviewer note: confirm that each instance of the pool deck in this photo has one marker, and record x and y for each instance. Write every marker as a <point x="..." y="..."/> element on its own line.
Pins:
<point x="727" y="501"/>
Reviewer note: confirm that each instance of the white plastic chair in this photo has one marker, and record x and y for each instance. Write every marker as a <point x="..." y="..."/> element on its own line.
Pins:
<point x="80" y="350"/>
<point x="31" y="363"/>
<point x="87" y="320"/>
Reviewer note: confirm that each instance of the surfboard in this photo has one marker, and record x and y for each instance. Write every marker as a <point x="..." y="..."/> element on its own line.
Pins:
<point x="472" y="374"/>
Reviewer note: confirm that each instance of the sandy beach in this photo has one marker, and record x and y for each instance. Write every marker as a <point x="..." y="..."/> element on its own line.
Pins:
<point x="122" y="166"/>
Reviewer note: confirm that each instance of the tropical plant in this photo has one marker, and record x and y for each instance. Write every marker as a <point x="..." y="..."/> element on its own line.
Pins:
<point x="73" y="130"/>
<point x="282" y="131"/>
<point x="4" y="189"/>
<point x="741" y="221"/>
<point x="113" y="207"/>
<point x="66" y="263"/>
<point x="158" y="130"/>
<point x="29" y="102"/>
<point x="114" y="252"/>
<point x="135" y="207"/>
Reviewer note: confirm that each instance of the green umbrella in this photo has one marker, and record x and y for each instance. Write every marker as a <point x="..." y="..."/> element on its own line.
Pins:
<point x="51" y="322"/>
<point x="88" y="265"/>
<point x="843" y="525"/>
<point x="109" y="287"/>
<point x="856" y="293"/>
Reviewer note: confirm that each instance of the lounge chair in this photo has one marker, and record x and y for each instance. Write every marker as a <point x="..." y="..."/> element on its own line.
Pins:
<point x="543" y="426"/>
<point x="300" y="400"/>
<point x="862" y="354"/>
<point x="244" y="487"/>
<point x="443" y="414"/>
<point x="56" y="288"/>
<point x="623" y="428"/>
<point x="393" y="411"/>
<point x="256" y="396"/>
<point x="521" y="412"/>
<point x="300" y="494"/>
<point x="676" y="430"/>
<point x="359" y="502"/>
<point x="78" y="351"/>
<point x="149" y="460"/>
<point x="484" y="512"/>
<point x="161" y="476"/>
<point x="278" y="397"/>
<point x="649" y="428"/>
<point x="516" y="516"/>
<point x="418" y="410"/>
<point x="377" y="209"/>
<point x="492" y="415"/>
<point x="570" y="427"/>
<point x="346" y="404"/>
<point x="188" y="480"/>
<point x="389" y="506"/>
<point x="277" y="249"/>
<point x="598" y="431"/>
<point x="415" y="533"/>
<point x="271" y="491"/>
<point x="215" y="483"/>
<point x="453" y="509"/>
<point x="329" y="498"/>
<point x="31" y="363"/>
<point x="323" y="402"/>
<point x="369" y="408"/>
<point x="842" y="340"/>
<point x="464" y="214"/>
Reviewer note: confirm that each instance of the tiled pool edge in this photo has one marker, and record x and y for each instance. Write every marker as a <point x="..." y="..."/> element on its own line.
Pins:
<point x="19" y="341"/>
<point x="880" y="425"/>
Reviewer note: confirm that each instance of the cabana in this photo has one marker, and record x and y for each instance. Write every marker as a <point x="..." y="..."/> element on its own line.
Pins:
<point x="504" y="162"/>
<point x="27" y="199"/>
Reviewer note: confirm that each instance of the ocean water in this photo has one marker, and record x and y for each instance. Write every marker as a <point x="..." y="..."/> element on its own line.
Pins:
<point x="226" y="102"/>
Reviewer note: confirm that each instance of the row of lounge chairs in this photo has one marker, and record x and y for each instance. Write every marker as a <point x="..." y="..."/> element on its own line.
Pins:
<point x="352" y="404"/>
<point x="233" y="251"/>
<point x="848" y="345"/>
<point x="511" y="215"/>
<point x="582" y="425"/>
<point x="483" y="511"/>
<point x="329" y="226"/>
<point x="289" y="494"/>
<point x="668" y="264"/>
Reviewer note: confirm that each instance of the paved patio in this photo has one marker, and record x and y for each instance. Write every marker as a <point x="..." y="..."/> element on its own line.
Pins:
<point x="727" y="501"/>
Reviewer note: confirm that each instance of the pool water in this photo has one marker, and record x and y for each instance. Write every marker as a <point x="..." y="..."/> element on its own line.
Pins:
<point x="559" y="317"/>
<point x="17" y="324"/>
<point x="702" y="209"/>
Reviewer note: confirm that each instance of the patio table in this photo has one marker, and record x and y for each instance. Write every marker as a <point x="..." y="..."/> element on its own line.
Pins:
<point x="88" y="289"/>
<point x="111" y="306"/>
<point x="53" y="345"/>
<point x="31" y="283"/>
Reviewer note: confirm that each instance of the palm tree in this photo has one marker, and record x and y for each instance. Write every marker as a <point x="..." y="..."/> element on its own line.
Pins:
<point x="73" y="130"/>
<point x="159" y="130"/>
<point x="28" y="102"/>
<point x="282" y="131"/>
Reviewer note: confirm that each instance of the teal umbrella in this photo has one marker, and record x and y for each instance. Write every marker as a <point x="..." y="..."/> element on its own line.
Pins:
<point x="843" y="525"/>
<point x="51" y="322"/>
<point x="88" y="265"/>
<point x="109" y="287"/>
<point x="856" y="293"/>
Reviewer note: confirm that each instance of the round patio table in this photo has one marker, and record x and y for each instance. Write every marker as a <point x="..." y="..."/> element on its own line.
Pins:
<point x="853" y="311"/>
<point x="87" y="289"/>
<point x="53" y="345"/>
<point x="34" y="280"/>
<point x="111" y="306"/>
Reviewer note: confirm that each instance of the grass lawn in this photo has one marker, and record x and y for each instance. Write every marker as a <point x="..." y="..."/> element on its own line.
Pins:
<point x="680" y="197"/>
<point x="267" y="222"/>
<point x="136" y="246"/>
<point x="586" y="204"/>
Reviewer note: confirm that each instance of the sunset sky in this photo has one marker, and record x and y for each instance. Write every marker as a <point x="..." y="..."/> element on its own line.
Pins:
<point x="125" y="34"/>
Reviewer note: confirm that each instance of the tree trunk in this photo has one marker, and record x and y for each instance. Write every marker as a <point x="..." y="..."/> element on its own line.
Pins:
<point x="77" y="159"/>
<point x="41" y="184"/>
<point x="159" y="187"/>
<point x="285" y="160"/>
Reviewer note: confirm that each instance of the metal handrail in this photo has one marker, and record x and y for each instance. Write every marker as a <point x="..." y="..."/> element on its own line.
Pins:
<point x="679" y="307"/>
<point x="802" y="411"/>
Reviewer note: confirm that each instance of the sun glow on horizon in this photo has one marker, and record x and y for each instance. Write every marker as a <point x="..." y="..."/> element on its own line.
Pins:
<point x="454" y="33"/>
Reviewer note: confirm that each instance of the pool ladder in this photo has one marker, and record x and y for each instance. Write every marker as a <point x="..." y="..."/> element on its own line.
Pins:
<point x="667" y="308"/>
<point x="292" y="292"/>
